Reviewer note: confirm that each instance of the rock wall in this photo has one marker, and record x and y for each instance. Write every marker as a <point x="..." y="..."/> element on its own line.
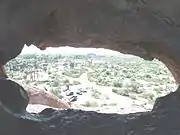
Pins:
<point x="162" y="120"/>
<point x="146" y="28"/>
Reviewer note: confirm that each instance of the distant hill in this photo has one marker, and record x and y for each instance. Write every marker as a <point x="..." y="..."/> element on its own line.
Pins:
<point x="72" y="51"/>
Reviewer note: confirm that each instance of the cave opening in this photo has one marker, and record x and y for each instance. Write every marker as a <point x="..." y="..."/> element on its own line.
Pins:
<point x="92" y="79"/>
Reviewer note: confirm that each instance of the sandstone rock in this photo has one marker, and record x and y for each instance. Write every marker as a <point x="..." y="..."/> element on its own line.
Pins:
<point x="39" y="96"/>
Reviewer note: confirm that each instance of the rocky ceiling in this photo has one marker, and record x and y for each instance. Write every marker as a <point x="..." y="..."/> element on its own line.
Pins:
<point x="146" y="28"/>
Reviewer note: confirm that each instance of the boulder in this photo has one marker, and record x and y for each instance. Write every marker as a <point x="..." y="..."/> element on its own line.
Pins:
<point x="43" y="97"/>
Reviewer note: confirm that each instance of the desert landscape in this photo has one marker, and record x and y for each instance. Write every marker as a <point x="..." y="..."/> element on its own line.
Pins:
<point x="89" y="80"/>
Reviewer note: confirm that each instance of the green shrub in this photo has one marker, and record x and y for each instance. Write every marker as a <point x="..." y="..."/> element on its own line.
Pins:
<point x="123" y="92"/>
<point x="117" y="84"/>
<point x="132" y="96"/>
<point x="75" y="73"/>
<point x="76" y="83"/>
<point x="57" y="92"/>
<point x="55" y="83"/>
<point x="149" y="95"/>
<point x="96" y="94"/>
<point x="90" y="104"/>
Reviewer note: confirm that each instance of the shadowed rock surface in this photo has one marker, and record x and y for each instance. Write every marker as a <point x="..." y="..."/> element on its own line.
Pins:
<point x="146" y="28"/>
<point x="162" y="120"/>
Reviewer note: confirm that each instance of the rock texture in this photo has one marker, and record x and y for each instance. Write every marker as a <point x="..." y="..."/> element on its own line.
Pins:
<point x="146" y="28"/>
<point x="162" y="120"/>
<point x="11" y="92"/>
<point x="37" y="96"/>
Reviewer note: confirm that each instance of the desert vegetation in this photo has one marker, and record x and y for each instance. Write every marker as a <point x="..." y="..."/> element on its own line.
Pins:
<point x="94" y="81"/>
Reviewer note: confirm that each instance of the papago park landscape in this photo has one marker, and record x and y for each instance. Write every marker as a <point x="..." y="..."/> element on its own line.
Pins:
<point x="90" y="93"/>
<point x="93" y="79"/>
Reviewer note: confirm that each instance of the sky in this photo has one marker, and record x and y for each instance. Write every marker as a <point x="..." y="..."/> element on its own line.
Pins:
<point x="70" y="50"/>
